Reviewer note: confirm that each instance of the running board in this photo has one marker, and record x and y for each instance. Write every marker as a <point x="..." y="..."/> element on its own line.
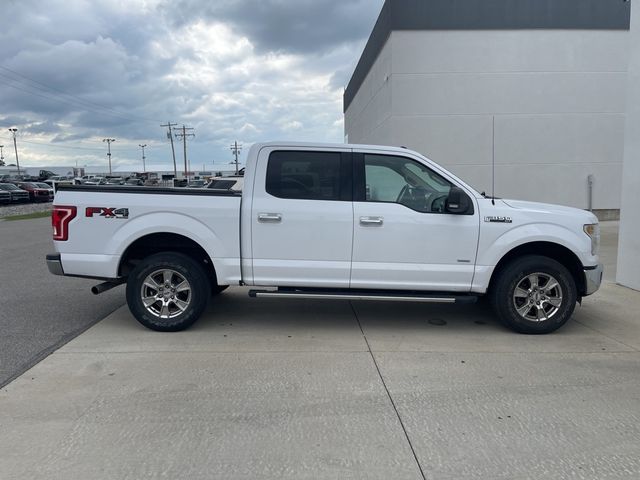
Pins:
<point x="361" y="295"/>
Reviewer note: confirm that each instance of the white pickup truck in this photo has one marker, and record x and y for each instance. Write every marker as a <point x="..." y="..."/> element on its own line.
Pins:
<point x="329" y="222"/>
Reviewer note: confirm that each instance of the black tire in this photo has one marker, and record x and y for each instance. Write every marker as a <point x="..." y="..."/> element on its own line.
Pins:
<point x="217" y="289"/>
<point x="169" y="313"/>
<point x="550" y="306"/>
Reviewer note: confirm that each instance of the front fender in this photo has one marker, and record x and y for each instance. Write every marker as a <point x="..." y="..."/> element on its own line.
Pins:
<point x="493" y="248"/>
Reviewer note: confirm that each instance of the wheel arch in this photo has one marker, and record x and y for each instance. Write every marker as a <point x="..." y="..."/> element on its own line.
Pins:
<point x="552" y="250"/>
<point x="158" y="242"/>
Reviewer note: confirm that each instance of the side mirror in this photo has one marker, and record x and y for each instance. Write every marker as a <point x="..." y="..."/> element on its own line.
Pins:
<point x="458" y="202"/>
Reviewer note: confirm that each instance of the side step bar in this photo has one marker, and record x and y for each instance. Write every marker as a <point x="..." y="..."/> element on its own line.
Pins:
<point x="397" y="296"/>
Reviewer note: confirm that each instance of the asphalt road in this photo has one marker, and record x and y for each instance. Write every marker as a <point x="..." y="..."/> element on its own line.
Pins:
<point x="40" y="312"/>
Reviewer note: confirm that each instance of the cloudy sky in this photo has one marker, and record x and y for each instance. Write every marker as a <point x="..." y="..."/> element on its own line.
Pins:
<point x="73" y="72"/>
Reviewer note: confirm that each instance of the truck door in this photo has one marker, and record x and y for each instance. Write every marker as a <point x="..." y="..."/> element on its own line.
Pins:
<point x="302" y="218"/>
<point x="403" y="236"/>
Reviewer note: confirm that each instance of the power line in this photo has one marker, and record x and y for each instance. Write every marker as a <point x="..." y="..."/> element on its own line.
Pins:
<point x="93" y="149"/>
<point x="71" y="98"/>
<point x="50" y="97"/>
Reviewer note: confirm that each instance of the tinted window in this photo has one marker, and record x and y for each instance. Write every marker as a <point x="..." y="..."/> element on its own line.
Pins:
<point x="404" y="181"/>
<point x="304" y="175"/>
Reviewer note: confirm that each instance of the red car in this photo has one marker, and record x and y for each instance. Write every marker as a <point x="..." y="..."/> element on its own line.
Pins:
<point x="36" y="193"/>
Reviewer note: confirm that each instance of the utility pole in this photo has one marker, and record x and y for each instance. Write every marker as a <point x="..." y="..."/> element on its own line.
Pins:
<point x="144" y="168"/>
<point x="173" y="151"/>
<point x="109" y="141"/>
<point x="15" y="146"/>
<point x="184" y="136"/>
<point x="1" y="156"/>
<point x="235" y="149"/>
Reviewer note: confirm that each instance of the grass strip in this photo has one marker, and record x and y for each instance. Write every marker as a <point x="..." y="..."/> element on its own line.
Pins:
<point x="27" y="216"/>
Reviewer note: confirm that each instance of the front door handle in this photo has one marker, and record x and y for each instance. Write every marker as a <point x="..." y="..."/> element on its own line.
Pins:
<point x="269" y="217"/>
<point x="371" y="221"/>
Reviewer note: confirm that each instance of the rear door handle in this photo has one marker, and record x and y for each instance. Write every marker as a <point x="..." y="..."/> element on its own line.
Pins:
<point x="371" y="221"/>
<point x="269" y="217"/>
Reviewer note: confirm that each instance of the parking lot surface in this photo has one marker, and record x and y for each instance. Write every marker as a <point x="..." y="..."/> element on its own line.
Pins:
<point x="38" y="311"/>
<point x="299" y="389"/>
<point x="296" y="389"/>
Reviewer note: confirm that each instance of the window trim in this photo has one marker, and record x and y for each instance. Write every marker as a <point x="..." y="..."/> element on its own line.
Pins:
<point x="360" y="182"/>
<point x="345" y="184"/>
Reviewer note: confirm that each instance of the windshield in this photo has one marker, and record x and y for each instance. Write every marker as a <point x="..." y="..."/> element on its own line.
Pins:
<point x="8" y="186"/>
<point x="43" y="185"/>
<point x="29" y="185"/>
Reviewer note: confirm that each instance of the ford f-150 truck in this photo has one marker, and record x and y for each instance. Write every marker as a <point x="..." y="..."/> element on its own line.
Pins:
<point x="329" y="222"/>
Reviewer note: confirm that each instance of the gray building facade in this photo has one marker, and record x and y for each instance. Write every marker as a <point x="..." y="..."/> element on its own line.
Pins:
<point x="536" y="86"/>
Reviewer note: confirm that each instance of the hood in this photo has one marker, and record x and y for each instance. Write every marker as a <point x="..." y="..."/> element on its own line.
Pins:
<point x="551" y="209"/>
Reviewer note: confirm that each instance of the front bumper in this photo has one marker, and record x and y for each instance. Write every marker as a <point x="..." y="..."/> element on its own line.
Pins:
<point x="592" y="279"/>
<point x="54" y="264"/>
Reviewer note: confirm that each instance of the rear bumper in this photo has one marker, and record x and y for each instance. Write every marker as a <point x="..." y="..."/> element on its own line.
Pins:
<point x="592" y="279"/>
<point x="54" y="264"/>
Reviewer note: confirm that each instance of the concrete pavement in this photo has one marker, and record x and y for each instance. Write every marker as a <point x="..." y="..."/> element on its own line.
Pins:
<point x="303" y="389"/>
<point x="295" y="389"/>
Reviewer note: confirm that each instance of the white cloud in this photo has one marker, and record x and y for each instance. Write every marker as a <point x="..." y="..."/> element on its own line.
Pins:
<point x="234" y="70"/>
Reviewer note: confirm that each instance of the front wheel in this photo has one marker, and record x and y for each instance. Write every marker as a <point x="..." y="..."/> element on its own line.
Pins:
<point x="167" y="292"/>
<point x="218" y="289"/>
<point x="534" y="295"/>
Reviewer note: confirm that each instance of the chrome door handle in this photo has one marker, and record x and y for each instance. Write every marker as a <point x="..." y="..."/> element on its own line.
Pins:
<point x="269" y="217"/>
<point x="371" y="221"/>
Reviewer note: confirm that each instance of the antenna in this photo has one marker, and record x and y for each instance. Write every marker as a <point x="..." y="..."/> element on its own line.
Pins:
<point x="493" y="160"/>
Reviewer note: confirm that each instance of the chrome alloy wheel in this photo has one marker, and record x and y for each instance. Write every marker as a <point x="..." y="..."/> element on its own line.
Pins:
<point x="165" y="293"/>
<point x="537" y="297"/>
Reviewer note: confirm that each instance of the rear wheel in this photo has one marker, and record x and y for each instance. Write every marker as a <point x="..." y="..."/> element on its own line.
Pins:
<point x="167" y="292"/>
<point x="534" y="295"/>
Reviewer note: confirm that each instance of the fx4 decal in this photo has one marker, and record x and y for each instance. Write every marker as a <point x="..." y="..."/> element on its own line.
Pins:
<point x="107" y="212"/>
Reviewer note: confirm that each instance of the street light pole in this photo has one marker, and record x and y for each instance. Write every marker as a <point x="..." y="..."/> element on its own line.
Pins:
<point x="109" y="140"/>
<point x="144" y="168"/>
<point x="15" y="146"/>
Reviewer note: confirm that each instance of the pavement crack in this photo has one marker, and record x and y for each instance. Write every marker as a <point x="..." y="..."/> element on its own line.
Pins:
<point x="386" y="389"/>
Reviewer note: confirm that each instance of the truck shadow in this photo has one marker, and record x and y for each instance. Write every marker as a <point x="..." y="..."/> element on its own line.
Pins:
<point x="234" y="306"/>
<point x="387" y="326"/>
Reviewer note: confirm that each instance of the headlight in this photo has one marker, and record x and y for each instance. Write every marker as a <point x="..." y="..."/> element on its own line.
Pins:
<point x="593" y="231"/>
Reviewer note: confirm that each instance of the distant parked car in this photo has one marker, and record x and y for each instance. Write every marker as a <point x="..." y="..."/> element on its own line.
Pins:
<point x="197" y="184"/>
<point x="47" y="187"/>
<point x="17" y="194"/>
<point x="134" y="181"/>
<point x="36" y="194"/>
<point x="96" y="181"/>
<point x="5" y="197"/>
<point x="115" y="181"/>
<point x="53" y="183"/>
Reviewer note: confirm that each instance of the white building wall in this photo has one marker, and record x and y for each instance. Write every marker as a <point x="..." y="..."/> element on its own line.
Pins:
<point x="371" y="107"/>
<point x="556" y="98"/>
<point x="628" y="271"/>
